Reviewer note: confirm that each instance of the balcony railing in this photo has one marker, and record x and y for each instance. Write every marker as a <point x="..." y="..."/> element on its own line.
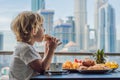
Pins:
<point x="6" y="56"/>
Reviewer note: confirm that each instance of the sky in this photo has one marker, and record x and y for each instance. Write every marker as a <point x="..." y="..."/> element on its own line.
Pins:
<point x="63" y="8"/>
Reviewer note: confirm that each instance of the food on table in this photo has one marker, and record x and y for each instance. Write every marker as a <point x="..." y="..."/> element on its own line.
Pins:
<point x="88" y="62"/>
<point x="98" y="67"/>
<point x="77" y="61"/>
<point x="70" y="65"/>
<point x="95" y="67"/>
<point x="112" y="64"/>
<point x="75" y="65"/>
<point x="67" y="65"/>
<point x="100" y="56"/>
<point x="82" y="68"/>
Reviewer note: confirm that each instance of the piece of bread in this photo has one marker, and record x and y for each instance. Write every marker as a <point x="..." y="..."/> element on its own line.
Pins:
<point x="98" y="67"/>
<point x="47" y="37"/>
<point x="82" y="68"/>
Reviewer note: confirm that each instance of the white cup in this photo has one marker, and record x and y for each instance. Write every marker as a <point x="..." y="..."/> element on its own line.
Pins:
<point x="55" y="67"/>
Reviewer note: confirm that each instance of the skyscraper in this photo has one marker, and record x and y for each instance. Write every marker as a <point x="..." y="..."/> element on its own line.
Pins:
<point x="80" y="13"/>
<point x="63" y="32"/>
<point x="48" y="20"/>
<point x="72" y="23"/>
<point x="98" y="4"/>
<point x="37" y="5"/>
<point x="106" y="28"/>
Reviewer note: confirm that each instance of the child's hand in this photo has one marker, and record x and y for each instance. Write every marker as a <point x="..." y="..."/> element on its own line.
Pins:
<point x="50" y="47"/>
<point x="52" y="44"/>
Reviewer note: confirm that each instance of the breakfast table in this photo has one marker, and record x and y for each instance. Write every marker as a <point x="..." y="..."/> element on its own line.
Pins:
<point x="115" y="75"/>
<point x="86" y="69"/>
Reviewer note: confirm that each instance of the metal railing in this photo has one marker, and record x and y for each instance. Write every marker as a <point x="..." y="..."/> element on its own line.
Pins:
<point x="6" y="56"/>
<point x="64" y="53"/>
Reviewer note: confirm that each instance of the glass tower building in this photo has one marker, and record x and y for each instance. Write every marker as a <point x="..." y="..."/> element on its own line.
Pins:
<point x="98" y="4"/>
<point x="63" y="32"/>
<point x="37" y="5"/>
<point x="72" y="23"/>
<point x="80" y="13"/>
<point x="106" y="29"/>
<point x="48" y="20"/>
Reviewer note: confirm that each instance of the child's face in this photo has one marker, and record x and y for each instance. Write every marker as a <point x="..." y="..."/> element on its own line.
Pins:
<point x="39" y="35"/>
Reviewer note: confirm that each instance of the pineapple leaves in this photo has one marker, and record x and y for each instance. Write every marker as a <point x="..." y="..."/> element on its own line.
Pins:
<point x="99" y="56"/>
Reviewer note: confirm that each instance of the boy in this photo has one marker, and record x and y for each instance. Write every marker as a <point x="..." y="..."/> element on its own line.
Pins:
<point x="28" y="29"/>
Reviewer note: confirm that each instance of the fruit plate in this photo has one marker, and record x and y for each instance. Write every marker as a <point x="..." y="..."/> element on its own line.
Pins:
<point x="94" y="71"/>
<point x="72" y="70"/>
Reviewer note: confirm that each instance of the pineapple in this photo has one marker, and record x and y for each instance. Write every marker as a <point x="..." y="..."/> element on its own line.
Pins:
<point x="100" y="57"/>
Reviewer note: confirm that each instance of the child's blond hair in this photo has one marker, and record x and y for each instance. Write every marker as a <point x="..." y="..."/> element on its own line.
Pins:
<point x="23" y="24"/>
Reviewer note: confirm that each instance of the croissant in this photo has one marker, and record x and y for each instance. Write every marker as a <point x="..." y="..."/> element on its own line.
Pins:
<point x="47" y="37"/>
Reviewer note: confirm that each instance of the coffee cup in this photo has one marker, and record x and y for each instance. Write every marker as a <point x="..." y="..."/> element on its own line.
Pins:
<point x="55" y="67"/>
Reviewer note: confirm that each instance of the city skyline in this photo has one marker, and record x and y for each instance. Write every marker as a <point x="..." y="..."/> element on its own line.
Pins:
<point x="7" y="14"/>
<point x="104" y="17"/>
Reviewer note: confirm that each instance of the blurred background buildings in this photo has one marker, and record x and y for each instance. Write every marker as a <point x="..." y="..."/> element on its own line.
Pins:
<point x="76" y="28"/>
